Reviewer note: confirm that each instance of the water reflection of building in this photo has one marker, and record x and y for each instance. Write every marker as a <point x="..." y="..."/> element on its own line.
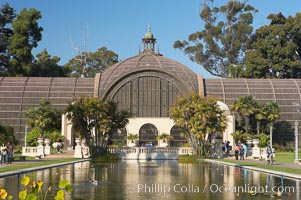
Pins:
<point x="120" y="180"/>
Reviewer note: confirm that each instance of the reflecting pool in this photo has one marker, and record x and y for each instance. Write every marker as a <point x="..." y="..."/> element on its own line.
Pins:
<point x="161" y="180"/>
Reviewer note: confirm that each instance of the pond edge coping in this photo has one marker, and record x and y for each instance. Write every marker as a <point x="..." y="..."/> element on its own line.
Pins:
<point x="290" y="175"/>
<point x="32" y="169"/>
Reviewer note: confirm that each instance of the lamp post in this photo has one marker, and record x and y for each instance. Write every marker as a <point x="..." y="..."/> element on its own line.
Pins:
<point x="26" y="128"/>
<point x="296" y="132"/>
<point x="296" y="142"/>
<point x="271" y="136"/>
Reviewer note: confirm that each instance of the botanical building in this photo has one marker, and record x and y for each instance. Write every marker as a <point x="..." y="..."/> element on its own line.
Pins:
<point x="146" y="85"/>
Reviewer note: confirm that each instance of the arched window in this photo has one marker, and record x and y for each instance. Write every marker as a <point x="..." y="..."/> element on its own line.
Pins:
<point x="178" y="136"/>
<point x="148" y="134"/>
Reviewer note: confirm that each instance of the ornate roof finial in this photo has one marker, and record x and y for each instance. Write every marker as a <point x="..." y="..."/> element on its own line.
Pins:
<point x="148" y="41"/>
<point x="148" y="34"/>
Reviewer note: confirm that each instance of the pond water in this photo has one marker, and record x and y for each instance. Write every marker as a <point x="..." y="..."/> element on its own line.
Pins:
<point x="160" y="180"/>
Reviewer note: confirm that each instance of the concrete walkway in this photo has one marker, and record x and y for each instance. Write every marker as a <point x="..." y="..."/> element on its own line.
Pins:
<point x="65" y="154"/>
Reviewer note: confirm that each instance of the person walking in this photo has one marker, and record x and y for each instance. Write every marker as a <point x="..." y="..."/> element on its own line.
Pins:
<point x="245" y="150"/>
<point x="236" y="151"/>
<point x="269" y="155"/>
<point x="227" y="148"/>
<point x="242" y="152"/>
<point x="10" y="153"/>
<point x="3" y="150"/>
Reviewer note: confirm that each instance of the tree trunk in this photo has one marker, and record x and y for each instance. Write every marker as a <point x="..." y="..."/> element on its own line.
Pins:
<point x="258" y="127"/>
<point x="247" y="123"/>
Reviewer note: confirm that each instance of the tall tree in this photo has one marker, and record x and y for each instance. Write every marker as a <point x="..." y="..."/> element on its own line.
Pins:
<point x="245" y="106"/>
<point x="272" y="112"/>
<point x="27" y="34"/>
<point x="44" y="116"/>
<point x="7" y="15"/>
<point x="96" y="62"/>
<point x="266" y="115"/>
<point x="260" y="115"/>
<point x="96" y="120"/>
<point x="224" y="40"/>
<point x="276" y="49"/>
<point x="201" y="118"/>
<point x="46" y="66"/>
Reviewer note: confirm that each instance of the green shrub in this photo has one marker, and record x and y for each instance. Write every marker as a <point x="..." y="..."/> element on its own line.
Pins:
<point x="35" y="133"/>
<point x="185" y="144"/>
<point x="32" y="137"/>
<point x="263" y="140"/>
<point x="188" y="158"/>
<point x="107" y="158"/>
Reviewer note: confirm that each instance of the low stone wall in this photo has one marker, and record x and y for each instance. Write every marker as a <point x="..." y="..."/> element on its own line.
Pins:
<point x="36" y="151"/>
<point x="150" y="153"/>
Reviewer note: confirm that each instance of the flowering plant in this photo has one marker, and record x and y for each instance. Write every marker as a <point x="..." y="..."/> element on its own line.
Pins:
<point x="34" y="190"/>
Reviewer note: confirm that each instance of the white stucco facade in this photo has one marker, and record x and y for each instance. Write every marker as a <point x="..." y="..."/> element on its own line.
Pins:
<point x="162" y="125"/>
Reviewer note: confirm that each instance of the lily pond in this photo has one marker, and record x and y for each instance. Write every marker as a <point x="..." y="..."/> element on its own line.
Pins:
<point x="159" y="180"/>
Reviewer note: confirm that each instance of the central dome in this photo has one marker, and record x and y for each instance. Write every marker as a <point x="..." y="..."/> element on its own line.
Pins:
<point x="148" y="62"/>
<point x="146" y="84"/>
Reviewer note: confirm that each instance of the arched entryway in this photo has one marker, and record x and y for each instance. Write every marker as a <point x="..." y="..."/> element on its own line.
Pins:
<point x="148" y="134"/>
<point x="178" y="136"/>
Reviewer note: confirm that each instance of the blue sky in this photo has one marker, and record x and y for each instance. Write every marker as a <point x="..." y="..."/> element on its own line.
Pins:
<point x="120" y="25"/>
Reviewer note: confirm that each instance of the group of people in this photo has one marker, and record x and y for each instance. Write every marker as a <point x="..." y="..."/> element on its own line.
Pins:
<point x="6" y="153"/>
<point x="226" y="148"/>
<point x="240" y="150"/>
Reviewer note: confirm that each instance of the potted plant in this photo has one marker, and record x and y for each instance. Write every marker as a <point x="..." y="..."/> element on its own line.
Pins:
<point x="163" y="139"/>
<point x="47" y="141"/>
<point x="132" y="139"/>
<point x="57" y="139"/>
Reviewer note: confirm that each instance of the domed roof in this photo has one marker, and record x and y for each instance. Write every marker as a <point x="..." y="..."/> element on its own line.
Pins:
<point x="148" y="63"/>
<point x="151" y="62"/>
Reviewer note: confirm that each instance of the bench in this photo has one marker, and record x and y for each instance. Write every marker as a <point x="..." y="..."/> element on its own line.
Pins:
<point x="21" y="158"/>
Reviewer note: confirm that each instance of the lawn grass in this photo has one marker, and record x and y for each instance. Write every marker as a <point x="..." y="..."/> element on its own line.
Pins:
<point x="280" y="157"/>
<point x="25" y="165"/>
<point x="264" y="165"/>
<point x="285" y="157"/>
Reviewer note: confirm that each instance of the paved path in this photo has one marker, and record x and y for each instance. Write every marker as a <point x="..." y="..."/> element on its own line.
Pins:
<point x="65" y="154"/>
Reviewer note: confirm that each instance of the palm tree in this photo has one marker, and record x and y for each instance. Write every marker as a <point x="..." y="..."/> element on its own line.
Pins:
<point x="245" y="106"/>
<point x="164" y="137"/>
<point x="132" y="137"/>
<point x="272" y="112"/>
<point x="260" y="116"/>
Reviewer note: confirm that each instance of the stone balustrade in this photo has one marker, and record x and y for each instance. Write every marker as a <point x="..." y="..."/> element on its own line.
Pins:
<point x="150" y="153"/>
